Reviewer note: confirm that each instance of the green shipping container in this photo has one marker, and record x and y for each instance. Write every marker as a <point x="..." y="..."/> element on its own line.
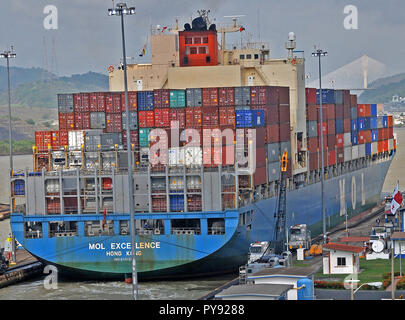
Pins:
<point x="177" y="98"/>
<point x="144" y="137"/>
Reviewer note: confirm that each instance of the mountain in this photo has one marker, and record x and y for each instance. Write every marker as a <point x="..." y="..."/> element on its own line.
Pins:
<point x="43" y="93"/>
<point x="22" y="75"/>
<point x="384" y="89"/>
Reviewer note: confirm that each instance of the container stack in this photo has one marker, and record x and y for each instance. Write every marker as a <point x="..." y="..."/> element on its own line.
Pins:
<point x="350" y="130"/>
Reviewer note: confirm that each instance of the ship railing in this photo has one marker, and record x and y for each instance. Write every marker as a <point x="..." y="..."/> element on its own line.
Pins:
<point x="186" y="231"/>
<point x="33" y="234"/>
<point x="216" y="230"/>
<point x="65" y="233"/>
<point x="150" y="231"/>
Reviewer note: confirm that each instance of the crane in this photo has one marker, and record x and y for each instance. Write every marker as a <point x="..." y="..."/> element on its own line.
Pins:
<point x="279" y="237"/>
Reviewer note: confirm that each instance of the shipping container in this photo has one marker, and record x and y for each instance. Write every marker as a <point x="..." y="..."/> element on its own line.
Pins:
<point x="243" y="118"/>
<point x="76" y="139"/>
<point x="347" y="139"/>
<point x="273" y="171"/>
<point x="258" y="118"/>
<point x="347" y="153"/>
<point x="340" y="140"/>
<point x="209" y="97"/>
<point x="161" y="98"/>
<point x="59" y="139"/>
<point x="226" y="96"/>
<point x="162" y="119"/>
<point x="374" y="148"/>
<point x="97" y="102"/>
<point x="339" y="126"/>
<point x="145" y="100"/>
<point x="361" y="111"/>
<point x="362" y="151"/>
<point x="313" y="144"/>
<point x="354" y="136"/>
<point x="328" y="96"/>
<point x="355" y="152"/>
<point x="82" y="120"/>
<point x="227" y="116"/>
<point x="338" y="96"/>
<point x="132" y="99"/>
<point x="353" y="113"/>
<point x="271" y="114"/>
<point x="65" y="103"/>
<point x="92" y="139"/>
<point x="210" y="117"/>
<point x="331" y="141"/>
<point x="177" y="98"/>
<point x="285" y="132"/>
<point x="310" y="96"/>
<point x="113" y="122"/>
<point x="134" y="138"/>
<point x="368" y="149"/>
<point x="66" y="121"/>
<point x="242" y="96"/>
<point x="259" y="176"/>
<point x="144" y="137"/>
<point x="272" y="133"/>
<point x="178" y="115"/>
<point x="97" y="120"/>
<point x="133" y="120"/>
<point x="373" y="110"/>
<point x="284" y="113"/>
<point x="194" y="117"/>
<point x="43" y="139"/>
<point x="146" y="119"/>
<point x="324" y="129"/>
<point x="346" y="125"/>
<point x="339" y="111"/>
<point x="312" y="112"/>
<point x="194" y="97"/>
<point x="273" y="152"/>
<point x="113" y="102"/>
<point x="312" y="129"/>
<point x="331" y="127"/>
<point x="258" y="95"/>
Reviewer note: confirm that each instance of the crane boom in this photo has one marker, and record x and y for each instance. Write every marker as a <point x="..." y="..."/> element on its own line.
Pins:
<point x="279" y="237"/>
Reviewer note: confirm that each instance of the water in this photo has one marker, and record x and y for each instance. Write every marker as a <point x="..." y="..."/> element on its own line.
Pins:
<point x="172" y="290"/>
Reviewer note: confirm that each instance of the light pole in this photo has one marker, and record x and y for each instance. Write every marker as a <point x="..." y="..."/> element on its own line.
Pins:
<point x="121" y="10"/>
<point x="319" y="53"/>
<point x="352" y="293"/>
<point x="9" y="55"/>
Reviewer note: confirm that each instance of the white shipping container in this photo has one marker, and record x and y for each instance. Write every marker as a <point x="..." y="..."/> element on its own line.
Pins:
<point x="374" y="148"/>
<point x="193" y="156"/>
<point x="144" y="155"/>
<point x="348" y="153"/>
<point x="355" y="152"/>
<point x="176" y="157"/>
<point x="347" y="139"/>
<point x="362" y="150"/>
<point x="193" y="182"/>
<point x="176" y="183"/>
<point x="76" y="139"/>
<point x="52" y="186"/>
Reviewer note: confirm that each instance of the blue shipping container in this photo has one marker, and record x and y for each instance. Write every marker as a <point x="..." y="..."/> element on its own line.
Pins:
<point x="339" y="126"/>
<point x="373" y="110"/>
<point x="366" y="123"/>
<point x="368" y="149"/>
<point x="328" y="96"/>
<point x="374" y="135"/>
<point x="177" y="202"/>
<point x="244" y="118"/>
<point x="19" y="187"/>
<point x="258" y="118"/>
<point x="145" y="100"/>
<point x="360" y="123"/>
<point x="355" y="140"/>
<point x="373" y="123"/>
<point x="354" y="125"/>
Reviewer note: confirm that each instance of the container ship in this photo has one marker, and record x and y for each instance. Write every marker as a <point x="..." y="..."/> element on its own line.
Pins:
<point x="198" y="109"/>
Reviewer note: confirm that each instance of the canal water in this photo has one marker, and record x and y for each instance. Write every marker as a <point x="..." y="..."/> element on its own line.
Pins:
<point x="113" y="290"/>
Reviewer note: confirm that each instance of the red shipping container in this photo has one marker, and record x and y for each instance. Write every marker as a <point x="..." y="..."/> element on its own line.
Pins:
<point x="324" y="129"/>
<point x="339" y="140"/>
<point x="284" y="113"/>
<point x="82" y="120"/>
<point x="160" y="137"/>
<point x="97" y="102"/>
<point x="214" y="156"/>
<point x="310" y="95"/>
<point x="312" y="112"/>
<point x="314" y="162"/>
<point x="178" y="114"/>
<point x="380" y="147"/>
<point x="353" y="100"/>
<point x="346" y="98"/>
<point x="85" y="102"/>
<point x="146" y="119"/>
<point x="390" y="121"/>
<point x="361" y="110"/>
<point x="53" y="205"/>
<point x="285" y="134"/>
<point x="330" y="110"/>
<point x="271" y="114"/>
<point x="367" y="110"/>
<point x="210" y="117"/>
<point x="260" y="176"/>
<point x="209" y="97"/>
<point x="161" y="98"/>
<point x="77" y="102"/>
<point x="331" y="157"/>
<point x="66" y="121"/>
<point x="132" y="98"/>
<point x="272" y="133"/>
<point x="227" y="116"/>
<point x="113" y="122"/>
<point x="346" y="112"/>
<point x="113" y="103"/>
<point x="380" y="134"/>
<point x="339" y="111"/>
<point x="331" y="141"/>
<point x="364" y="136"/>
<point x="390" y="133"/>
<point x="385" y="133"/>
<point x="159" y="203"/>
<point x="226" y="96"/>
<point x="194" y="117"/>
<point x="134" y="138"/>
<point x="258" y="95"/>
<point x="331" y="127"/>
<point x="312" y="144"/>
<point x="324" y="113"/>
<point x="162" y="118"/>
<point x="283" y="95"/>
<point x="43" y="139"/>
<point x="347" y="125"/>
<point x="385" y="145"/>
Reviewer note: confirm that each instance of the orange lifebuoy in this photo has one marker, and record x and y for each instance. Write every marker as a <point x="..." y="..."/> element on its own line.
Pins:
<point x="293" y="61"/>
<point x="110" y="68"/>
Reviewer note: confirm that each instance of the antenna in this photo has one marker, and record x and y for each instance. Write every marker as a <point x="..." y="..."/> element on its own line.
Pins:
<point x="235" y="17"/>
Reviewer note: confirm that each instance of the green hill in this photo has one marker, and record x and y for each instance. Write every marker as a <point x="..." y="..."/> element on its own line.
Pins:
<point x="39" y="93"/>
<point x="384" y="89"/>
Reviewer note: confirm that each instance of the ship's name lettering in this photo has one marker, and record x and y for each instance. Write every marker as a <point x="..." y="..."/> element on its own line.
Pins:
<point x="125" y="246"/>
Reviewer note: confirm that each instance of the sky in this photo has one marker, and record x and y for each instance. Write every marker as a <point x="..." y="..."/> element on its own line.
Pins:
<point x="87" y="39"/>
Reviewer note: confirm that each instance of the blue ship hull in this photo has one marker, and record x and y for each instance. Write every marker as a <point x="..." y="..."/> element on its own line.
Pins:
<point x="168" y="255"/>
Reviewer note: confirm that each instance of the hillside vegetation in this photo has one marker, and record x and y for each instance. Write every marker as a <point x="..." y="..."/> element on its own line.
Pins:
<point x="384" y="89"/>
